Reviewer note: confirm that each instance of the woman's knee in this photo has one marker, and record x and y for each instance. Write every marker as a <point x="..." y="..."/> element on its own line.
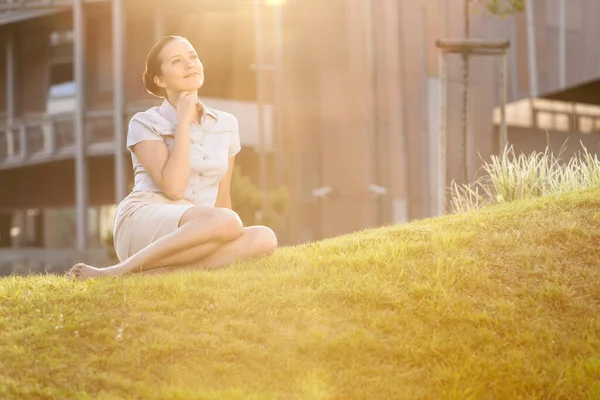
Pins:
<point x="227" y="224"/>
<point x="264" y="241"/>
<point x="224" y="224"/>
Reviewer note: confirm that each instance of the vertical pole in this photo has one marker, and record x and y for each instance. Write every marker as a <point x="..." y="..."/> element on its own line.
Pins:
<point x="262" y="161"/>
<point x="465" y="116"/>
<point x="10" y="77"/>
<point x="10" y="91"/>
<point x="279" y="93"/>
<point x="80" y="140"/>
<point x="118" y="99"/>
<point x="429" y="178"/>
<point x="441" y="208"/>
<point x="533" y="83"/>
<point x="401" y="153"/>
<point x="503" y="100"/>
<point x="562" y="43"/>
<point x="22" y="140"/>
<point x="159" y="22"/>
<point x="513" y="61"/>
<point x="372" y="95"/>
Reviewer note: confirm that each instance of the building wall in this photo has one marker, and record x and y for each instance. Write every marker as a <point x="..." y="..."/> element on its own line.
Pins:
<point x="582" y="54"/>
<point x="99" y="56"/>
<point x="31" y="72"/>
<point x="352" y="120"/>
<point x="567" y="144"/>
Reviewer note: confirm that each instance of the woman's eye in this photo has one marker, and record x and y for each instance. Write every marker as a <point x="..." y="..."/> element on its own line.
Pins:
<point x="194" y="56"/>
<point x="176" y="61"/>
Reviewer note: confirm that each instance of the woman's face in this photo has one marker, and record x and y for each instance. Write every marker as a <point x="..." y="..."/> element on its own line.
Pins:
<point x="181" y="68"/>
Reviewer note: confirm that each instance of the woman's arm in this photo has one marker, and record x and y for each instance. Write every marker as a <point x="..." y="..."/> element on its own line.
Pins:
<point x="171" y="171"/>
<point x="224" y="193"/>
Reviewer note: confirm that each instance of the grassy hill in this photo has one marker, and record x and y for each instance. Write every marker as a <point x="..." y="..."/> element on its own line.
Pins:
<point x="502" y="303"/>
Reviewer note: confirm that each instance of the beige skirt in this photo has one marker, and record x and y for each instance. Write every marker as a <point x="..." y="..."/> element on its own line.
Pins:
<point x="144" y="217"/>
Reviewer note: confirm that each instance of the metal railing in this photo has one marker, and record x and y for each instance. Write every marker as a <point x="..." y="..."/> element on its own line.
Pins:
<point x="40" y="135"/>
<point x="14" y="5"/>
<point x="552" y="115"/>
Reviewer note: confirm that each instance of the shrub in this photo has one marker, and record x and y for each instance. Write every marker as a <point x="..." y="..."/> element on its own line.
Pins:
<point x="510" y="177"/>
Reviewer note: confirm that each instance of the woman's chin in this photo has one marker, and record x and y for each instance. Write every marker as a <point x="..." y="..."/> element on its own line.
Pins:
<point x="192" y="85"/>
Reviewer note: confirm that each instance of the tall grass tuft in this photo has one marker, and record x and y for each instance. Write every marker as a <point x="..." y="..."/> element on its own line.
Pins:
<point x="509" y="177"/>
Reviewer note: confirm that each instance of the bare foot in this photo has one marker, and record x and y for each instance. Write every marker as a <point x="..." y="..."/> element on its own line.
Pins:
<point x="83" y="272"/>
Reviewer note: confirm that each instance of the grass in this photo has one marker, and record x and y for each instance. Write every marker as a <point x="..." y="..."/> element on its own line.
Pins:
<point x="509" y="177"/>
<point x="500" y="303"/>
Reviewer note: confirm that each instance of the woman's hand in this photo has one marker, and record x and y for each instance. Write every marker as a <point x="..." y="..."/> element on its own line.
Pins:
<point x="187" y="107"/>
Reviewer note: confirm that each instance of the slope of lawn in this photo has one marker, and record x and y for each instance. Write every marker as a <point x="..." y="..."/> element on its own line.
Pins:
<point x="496" y="304"/>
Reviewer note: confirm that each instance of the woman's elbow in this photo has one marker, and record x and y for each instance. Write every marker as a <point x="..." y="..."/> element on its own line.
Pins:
<point x="174" y="194"/>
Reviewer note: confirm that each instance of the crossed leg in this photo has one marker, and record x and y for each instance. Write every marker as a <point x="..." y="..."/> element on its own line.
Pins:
<point x="254" y="242"/>
<point x="206" y="238"/>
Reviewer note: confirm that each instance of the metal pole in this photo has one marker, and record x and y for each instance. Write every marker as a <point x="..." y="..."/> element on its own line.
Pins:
<point x="533" y="84"/>
<point x="23" y="140"/>
<point x="279" y="93"/>
<point x="503" y="100"/>
<point x="429" y="188"/>
<point x="465" y="115"/>
<point x="10" y="77"/>
<point x="441" y="208"/>
<point x="372" y="91"/>
<point x="10" y="92"/>
<point x="159" y="23"/>
<point x="262" y="157"/>
<point x="80" y="142"/>
<point x="402" y="109"/>
<point x="513" y="61"/>
<point x="118" y="99"/>
<point x="562" y="43"/>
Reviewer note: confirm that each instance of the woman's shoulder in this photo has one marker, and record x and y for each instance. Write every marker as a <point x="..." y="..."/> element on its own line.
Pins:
<point x="224" y="119"/>
<point x="153" y="120"/>
<point x="146" y="116"/>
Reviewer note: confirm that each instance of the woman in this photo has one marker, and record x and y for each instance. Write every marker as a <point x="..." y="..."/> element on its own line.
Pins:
<point x="178" y="214"/>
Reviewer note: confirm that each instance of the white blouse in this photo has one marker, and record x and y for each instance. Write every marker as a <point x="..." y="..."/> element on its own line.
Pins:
<point x="213" y="141"/>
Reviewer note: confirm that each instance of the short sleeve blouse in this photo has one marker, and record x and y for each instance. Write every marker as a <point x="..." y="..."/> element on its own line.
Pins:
<point x="212" y="142"/>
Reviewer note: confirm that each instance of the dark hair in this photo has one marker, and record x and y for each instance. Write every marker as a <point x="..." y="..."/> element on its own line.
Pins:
<point x="153" y="63"/>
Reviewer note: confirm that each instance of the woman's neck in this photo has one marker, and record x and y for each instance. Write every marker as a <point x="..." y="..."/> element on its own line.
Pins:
<point x="173" y="98"/>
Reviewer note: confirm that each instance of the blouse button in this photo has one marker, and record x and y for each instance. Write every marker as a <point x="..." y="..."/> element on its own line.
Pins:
<point x="204" y="158"/>
<point x="194" y="191"/>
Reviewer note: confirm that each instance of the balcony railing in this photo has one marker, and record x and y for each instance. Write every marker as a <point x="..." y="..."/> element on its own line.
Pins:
<point x="14" y="5"/>
<point x="99" y="127"/>
<point x="46" y="136"/>
<point x="64" y="132"/>
<point x="552" y="115"/>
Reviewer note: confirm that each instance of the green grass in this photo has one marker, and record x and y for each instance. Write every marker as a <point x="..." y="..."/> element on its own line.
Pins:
<point x="502" y="303"/>
<point x="511" y="176"/>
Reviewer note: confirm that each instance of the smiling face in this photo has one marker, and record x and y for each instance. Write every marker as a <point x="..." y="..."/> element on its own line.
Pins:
<point x="181" y="69"/>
